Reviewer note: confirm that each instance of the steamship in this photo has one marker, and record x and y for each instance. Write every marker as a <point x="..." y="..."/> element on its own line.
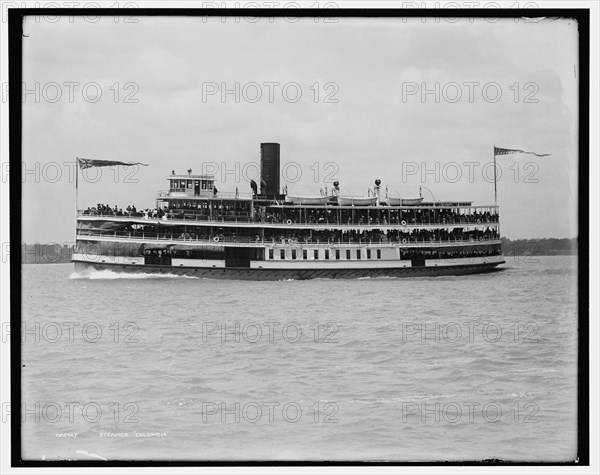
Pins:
<point x="266" y="234"/>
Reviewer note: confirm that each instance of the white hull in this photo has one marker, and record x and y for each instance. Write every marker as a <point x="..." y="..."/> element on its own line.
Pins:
<point x="272" y="270"/>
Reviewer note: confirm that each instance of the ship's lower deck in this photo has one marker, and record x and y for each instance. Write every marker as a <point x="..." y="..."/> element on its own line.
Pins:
<point x="279" y="260"/>
<point x="383" y="269"/>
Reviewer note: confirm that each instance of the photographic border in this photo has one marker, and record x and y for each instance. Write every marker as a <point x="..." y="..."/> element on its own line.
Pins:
<point x="15" y="39"/>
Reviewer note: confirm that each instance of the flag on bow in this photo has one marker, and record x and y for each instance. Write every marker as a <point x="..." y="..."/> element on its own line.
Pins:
<point x="506" y="151"/>
<point x="89" y="163"/>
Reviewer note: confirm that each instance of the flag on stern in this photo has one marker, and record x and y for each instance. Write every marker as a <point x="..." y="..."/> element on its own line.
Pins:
<point x="89" y="163"/>
<point x="506" y="151"/>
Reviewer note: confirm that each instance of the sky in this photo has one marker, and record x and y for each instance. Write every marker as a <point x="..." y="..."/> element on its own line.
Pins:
<point x="416" y="103"/>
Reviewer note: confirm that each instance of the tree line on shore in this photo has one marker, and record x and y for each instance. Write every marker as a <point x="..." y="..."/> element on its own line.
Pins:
<point x="539" y="247"/>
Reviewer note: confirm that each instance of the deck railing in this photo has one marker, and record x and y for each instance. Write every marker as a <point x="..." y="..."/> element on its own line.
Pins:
<point x="451" y="241"/>
<point x="246" y="218"/>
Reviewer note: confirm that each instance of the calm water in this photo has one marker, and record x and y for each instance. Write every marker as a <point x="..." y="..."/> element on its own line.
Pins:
<point x="457" y="368"/>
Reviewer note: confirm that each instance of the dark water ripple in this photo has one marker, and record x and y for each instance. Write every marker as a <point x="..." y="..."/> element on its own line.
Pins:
<point x="395" y="383"/>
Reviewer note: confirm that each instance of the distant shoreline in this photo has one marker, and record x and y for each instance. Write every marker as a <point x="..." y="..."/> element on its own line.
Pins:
<point x="53" y="253"/>
<point x="539" y="247"/>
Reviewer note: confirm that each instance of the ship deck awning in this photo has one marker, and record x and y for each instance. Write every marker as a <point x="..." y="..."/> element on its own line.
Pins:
<point x="103" y="223"/>
<point x="119" y="222"/>
<point x="276" y="204"/>
<point x="191" y="177"/>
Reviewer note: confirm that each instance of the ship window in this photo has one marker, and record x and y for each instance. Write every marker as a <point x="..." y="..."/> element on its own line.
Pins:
<point x="348" y="254"/>
<point x="182" y="184"/>
<point x="173" y="184"/>
<point x="358" y="253"/>
<point x="271" y="254"/>
<point x="316" y="254"/>
<point x="282" y="254"/>
<point x="189" y="183"/>
<point x="368" y="253"/>
<point x="203" y="185"/>
<point x="378" y="253"/>
<point x="337" y="253"/>
<point x="304" y="254"/>
<point x="293" y="253"/>
<point x="327" y="254"/>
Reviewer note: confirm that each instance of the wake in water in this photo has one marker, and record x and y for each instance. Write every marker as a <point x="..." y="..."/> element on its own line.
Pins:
<point x="105" y="274"/>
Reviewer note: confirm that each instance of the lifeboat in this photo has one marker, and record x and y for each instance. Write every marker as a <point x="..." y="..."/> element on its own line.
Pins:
<point x="307" y="200"/>
<point x="357" y="200"/>
<point x="404" y="201"/>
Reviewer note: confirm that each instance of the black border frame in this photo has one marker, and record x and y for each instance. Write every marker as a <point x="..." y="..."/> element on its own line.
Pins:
<point x="15" y="38"/>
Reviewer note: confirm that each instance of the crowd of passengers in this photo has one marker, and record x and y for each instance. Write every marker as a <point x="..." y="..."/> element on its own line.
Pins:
<point x="131" y="211"/>
<point x="301" y="215"/>
<point x="376" y="235"/>
<point x="409" y="255"/>
<point x="311" y="236"/>
<point x="379" y="216"/>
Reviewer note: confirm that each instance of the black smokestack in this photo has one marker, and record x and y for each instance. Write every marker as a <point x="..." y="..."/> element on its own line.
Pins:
<point x="269" y="169"/>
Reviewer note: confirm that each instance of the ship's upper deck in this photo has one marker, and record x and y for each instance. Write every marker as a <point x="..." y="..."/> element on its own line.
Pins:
<point x="190" y="190"/>
<point x="200" y="188"/>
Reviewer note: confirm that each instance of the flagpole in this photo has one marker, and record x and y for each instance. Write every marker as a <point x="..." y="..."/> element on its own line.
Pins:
<point x="495" y="187"/>
<point x="76" y="200"/>
<point x="76" y="185"/>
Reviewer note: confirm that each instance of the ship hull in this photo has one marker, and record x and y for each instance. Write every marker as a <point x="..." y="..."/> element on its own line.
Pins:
<point x="233" y="273"/>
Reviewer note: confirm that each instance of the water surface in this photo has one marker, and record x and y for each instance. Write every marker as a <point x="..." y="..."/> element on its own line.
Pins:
<point x="174" y="368"/>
